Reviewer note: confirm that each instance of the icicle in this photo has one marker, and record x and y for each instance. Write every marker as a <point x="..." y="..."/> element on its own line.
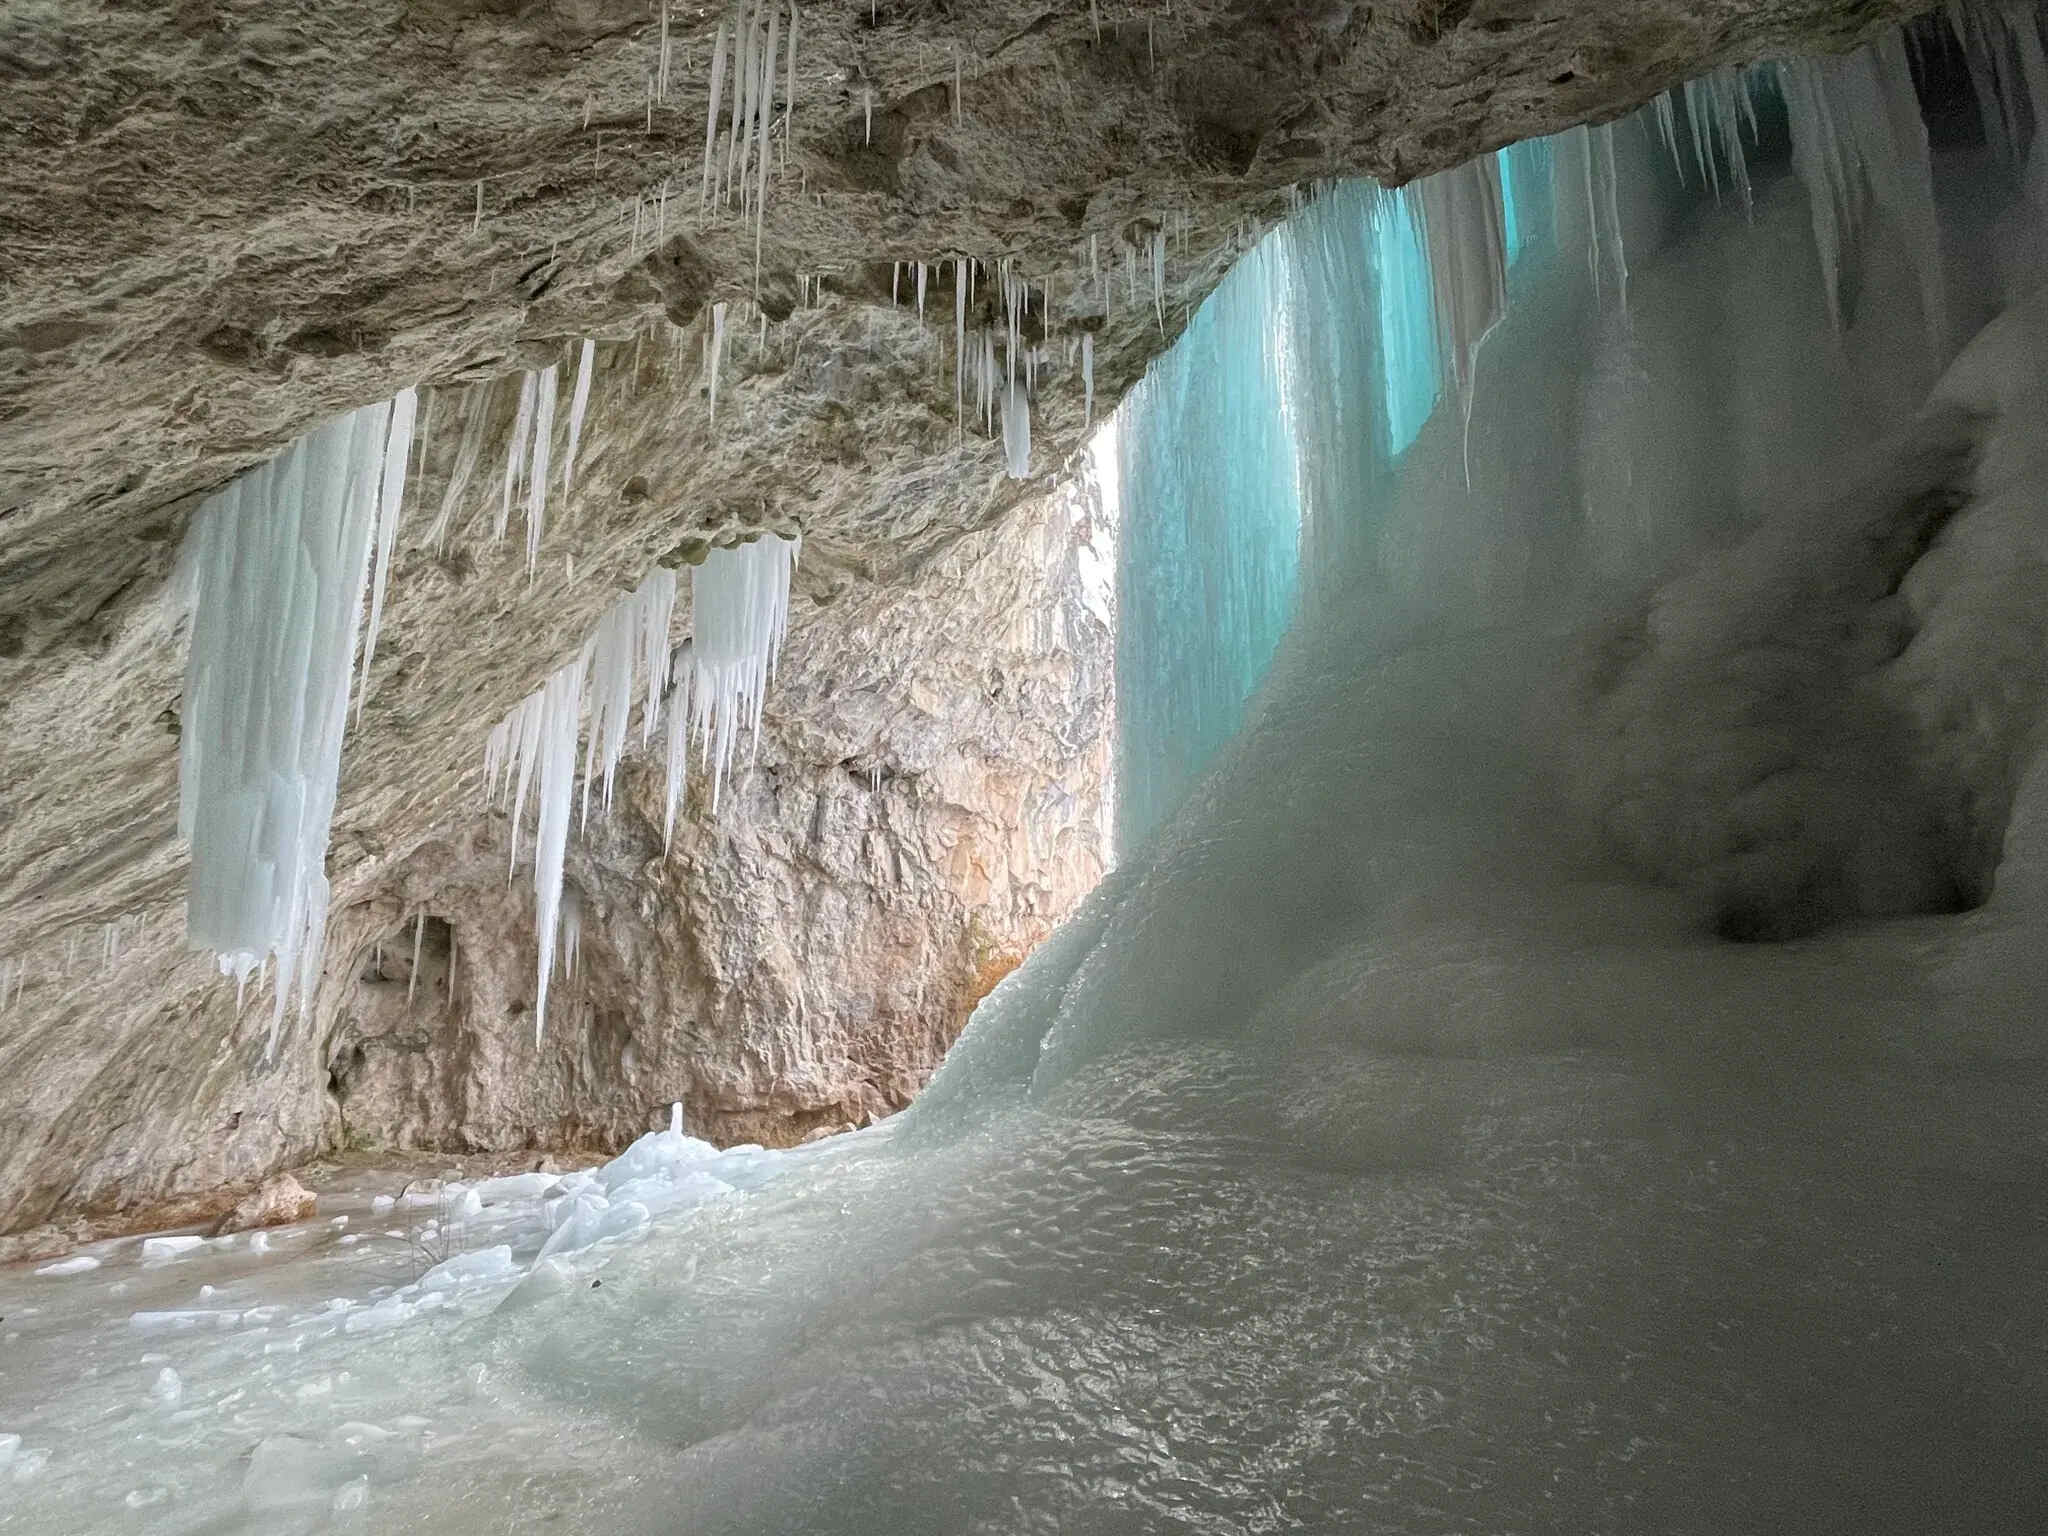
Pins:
<point x="1667" y="130"/>
<point x="526" y="726"/>
<point x="1857" y="137"/>
<point x="390" y="499"/>
<point x="537" y="477"/>
<point x="419" y="933"/>
<point x="283" y="554"/>
<point x="572" y="931"/>
<point x="655" y="602"/>
<point x="1603" y="213"/>
<point x="2022" y="23"/>
<point x="579" y="402"/>
<point x="661" y="86"/>
<point x="678" y="740"/>
<point x="867" y="127"/>
<point x="922" y="271"/>
<point x="711" y="117"/>
<point x="740" y="612"/>
<point x="1159" y="278"/>
<point x="1995" y="105"/>
<point x="563" y="696"/>
<point x="895" y="283"/>
<point x="711" y="363"/>
<point x="1017" y="432"/>
<point x="742" y="49"/>
<point x="960" y="270"/>
<point x="515" y="452"/>
<point x="477" y="223"/>
<point x="767" y="116"/>
<point x="1087" y="379"/>
<point x="1462" y="231"/>
<point x="957" y="118"/>
<point x="789" y="93"/>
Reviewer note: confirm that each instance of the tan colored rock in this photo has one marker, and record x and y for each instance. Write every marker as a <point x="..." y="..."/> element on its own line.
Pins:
<point x="276" y="1202"/>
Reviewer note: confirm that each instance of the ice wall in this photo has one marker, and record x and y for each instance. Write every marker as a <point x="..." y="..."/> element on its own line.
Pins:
<point x="1261" y="443"/>
<point x="1476" y="592"/>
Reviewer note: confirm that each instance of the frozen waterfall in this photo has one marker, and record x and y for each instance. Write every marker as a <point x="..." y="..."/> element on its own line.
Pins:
<point x="1408" y="1136"/>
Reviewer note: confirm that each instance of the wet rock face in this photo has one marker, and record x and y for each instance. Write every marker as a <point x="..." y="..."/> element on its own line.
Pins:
<point x="226" y="221"/>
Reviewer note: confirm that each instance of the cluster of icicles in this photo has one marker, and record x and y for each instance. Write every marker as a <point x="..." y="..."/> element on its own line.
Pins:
<point x="275" y="572"/>
<point x="15" y="971"/>
<point x="711" y="688"/>
<point x="1859" y="147"/>
<point x="280" y="564"/>
<point x="529" y="453"/>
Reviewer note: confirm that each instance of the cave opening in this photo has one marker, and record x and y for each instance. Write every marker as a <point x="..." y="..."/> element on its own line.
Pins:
<point x="1508" y="590"/>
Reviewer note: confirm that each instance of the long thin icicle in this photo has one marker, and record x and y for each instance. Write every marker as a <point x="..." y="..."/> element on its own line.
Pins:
<point x="1017" y="431"/>
<point x="579" y="403"/>
<point x="419" y="934"/>
<point x="537" y="478"/>
<point x="1462" y="230"/>
<point x="563" y="695"/>
<point x="1857" y="142"/>
<point x="1087" y="379"/>
<point x="789" y="93"/>
<point x="711" y="118"/>
<point x="391" y="499"/>
<point x="767" y="118"/>
<point x="515" y="452"/>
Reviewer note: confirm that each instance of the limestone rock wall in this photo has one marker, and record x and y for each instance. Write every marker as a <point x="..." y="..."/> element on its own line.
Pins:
<point x="926" y="801"/>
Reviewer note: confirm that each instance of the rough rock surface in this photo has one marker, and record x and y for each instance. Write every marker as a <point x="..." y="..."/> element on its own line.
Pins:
<point x="925" y="802"/>
<point x="277" y="1201"/>
<point x="227" y="219"/>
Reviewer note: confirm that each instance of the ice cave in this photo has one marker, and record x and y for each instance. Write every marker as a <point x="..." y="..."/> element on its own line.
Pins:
<point x="940" y="768"/>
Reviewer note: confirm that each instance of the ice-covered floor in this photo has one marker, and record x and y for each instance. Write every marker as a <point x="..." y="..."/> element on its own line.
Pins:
<point x="1559" y="1290"/>
<point x="284" y="1379"/>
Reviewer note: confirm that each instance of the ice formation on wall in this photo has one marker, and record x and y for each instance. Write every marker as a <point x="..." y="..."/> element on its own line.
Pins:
<point x="713" y="688"/>
<point x="390" y="502"/>
<point x="1857" y="143"/>
<point x="579" y="403"/>
<point x="1017" y="430"/>
<point x="1237" y="472"/>
<point x="279" y="562"/>
<point x="739" y="602"/>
